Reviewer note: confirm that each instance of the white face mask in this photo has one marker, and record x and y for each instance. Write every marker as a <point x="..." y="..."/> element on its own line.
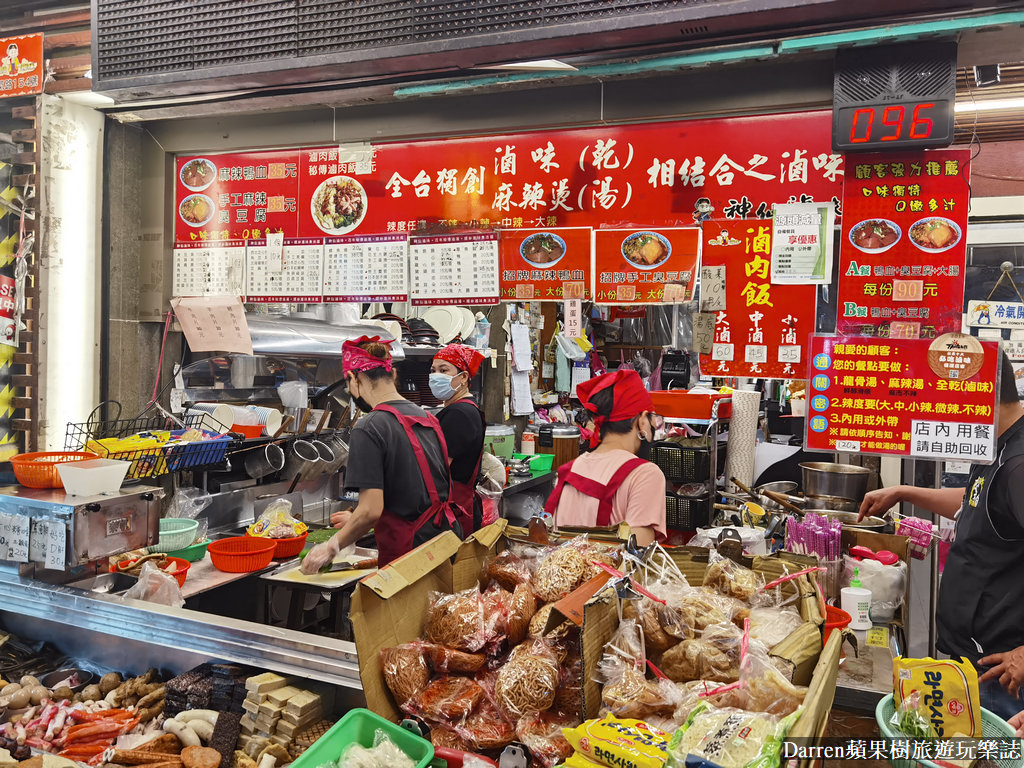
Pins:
<point x="441" y="386"/>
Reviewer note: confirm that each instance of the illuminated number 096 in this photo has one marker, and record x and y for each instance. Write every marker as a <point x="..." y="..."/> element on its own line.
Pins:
<point x="892" y="117"/>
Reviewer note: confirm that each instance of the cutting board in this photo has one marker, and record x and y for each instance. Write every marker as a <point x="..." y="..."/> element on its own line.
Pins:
<point x="292" y="574"/>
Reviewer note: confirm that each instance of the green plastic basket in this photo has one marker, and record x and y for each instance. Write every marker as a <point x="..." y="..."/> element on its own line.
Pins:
<point x="193" y="553"/>
<point x="992" y="727"/>
<point x="360" y="726"/>
<point x="539" y="462"/>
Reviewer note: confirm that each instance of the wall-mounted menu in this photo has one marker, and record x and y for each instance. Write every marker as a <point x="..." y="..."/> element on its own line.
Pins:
<point x="296" y="275"/>
<point x="645" y="266"/>
<point x="366" y="268"/>
<point x="454" y="269"/>
<point x="209" y="268"/>
<point x="537" y="263"/>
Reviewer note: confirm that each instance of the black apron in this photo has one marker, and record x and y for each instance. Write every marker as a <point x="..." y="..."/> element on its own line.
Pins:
<point x="981" y="597"/>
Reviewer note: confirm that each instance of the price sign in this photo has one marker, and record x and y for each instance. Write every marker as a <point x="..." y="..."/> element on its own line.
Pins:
<point x="712" y="288"/>
<point x="39" y="533"/>
<point x="5" y="536"/>
<point x="56" y="545"/>
<point x="17" y="542"/>
<point x="907" y="290"/>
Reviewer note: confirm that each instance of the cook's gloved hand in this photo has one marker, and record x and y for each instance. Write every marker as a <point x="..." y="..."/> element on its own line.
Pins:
<point x="320" y="555"/>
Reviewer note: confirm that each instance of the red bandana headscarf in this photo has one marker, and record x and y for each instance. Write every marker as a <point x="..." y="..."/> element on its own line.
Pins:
<point x="355" y="358"/>
<point x="462" y="357"/>
<point x="629" y="398"/>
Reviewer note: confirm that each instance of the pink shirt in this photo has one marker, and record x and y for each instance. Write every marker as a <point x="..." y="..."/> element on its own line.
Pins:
<point x="640" y="500"/>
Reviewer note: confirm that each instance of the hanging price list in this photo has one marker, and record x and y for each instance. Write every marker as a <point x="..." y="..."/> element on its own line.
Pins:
<point x="14" y="538"/>
<point x="209" y="269"/>
<point x="366" y="268"/>
<point x="454" y="269"/>
<point x="299" y="278"/>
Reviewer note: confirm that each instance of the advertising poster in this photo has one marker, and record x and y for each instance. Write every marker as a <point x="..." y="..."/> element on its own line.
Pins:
<point x="645" y="266"/>
<point x="537" y="263"/>
<point x="925" y="398"/>
<point x="802" y="238"/>
<point x="904" y="244"/>
<point x="21" y="65"/>
<point x="760" y="328"/>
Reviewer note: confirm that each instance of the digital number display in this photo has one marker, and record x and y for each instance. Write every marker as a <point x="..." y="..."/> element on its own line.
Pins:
<point x="881" y="126"/>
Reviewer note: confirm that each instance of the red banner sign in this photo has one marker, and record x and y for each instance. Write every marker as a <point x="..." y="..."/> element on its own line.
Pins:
<point x="762" y="329"/>
<point x="645" y="266"/>
<point x="21" y="65"/>
<point x="904" y="244"/>
<point x="537" y="263"/>
<point x="931" y="399"/>
<point x="666" y="174"/>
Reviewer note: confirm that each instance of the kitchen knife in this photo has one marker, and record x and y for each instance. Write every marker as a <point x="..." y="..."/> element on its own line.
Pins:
<point x="360" y="565"/>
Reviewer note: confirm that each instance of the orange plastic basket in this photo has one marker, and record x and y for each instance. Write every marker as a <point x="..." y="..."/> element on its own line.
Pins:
<point x="39" y="470"/>
<point x="285" y="548"/>
<point x="241" y="554"/>
<point x="180" y="571"/>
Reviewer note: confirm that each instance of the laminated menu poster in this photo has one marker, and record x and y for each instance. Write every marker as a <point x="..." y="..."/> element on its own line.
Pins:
<point x="536" y="264"/>
<point x="454" y="269"/>
<point x="645" y="265"/>
<point x="209" y="268"/>
<point x="296" y="276"/>
<point x="366" y="268"/>
<point x="761" y="328"/>
<point x="902" y="257"/>
<point x="926" y="398"/>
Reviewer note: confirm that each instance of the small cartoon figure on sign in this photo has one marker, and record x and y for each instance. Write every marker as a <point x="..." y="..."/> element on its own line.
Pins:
<point x="723" y="239"/>
<point x="703" y="210"/>
<point x="13" y="64"/>
<point x="983" y="312"/>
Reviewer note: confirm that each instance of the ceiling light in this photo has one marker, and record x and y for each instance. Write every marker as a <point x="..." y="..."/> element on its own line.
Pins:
<point x="534" y="66"/>
<point x="989" y="106"/>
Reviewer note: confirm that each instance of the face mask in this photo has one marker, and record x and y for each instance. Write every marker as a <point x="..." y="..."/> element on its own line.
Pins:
<point x="441" y="386"/>
<point x="360" y="403"/>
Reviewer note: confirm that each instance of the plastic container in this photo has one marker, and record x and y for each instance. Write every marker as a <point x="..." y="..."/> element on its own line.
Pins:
<point x="360" y="726"/>
<point x="248" y="431"/>
<point x="539" y="462"/>
<point x="180" y="572"/>
<point x="678" y="404"/>
<point x="856" y="601"/>
<point x="175" y="533"/>
<point x="992" y="727"/>
<point x="93" y="477"/>
<point x="39" y="470"/>
<point x="192" y="554"/>
<point x="285" y="548"/>
<point x="241" y="554"/>
<point x="835" y="618"/>
<point x="500" y="440"/>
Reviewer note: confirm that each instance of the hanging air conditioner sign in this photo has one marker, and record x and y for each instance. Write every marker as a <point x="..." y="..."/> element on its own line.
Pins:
<point x="995" y="314"/>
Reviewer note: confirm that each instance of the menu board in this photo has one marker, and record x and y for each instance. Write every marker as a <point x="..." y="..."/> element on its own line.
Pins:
<point x="454" y="269"/>
<point x="904" y="244"/>
<point x="761" y="327"/>
<point x="537" y="263"/>
<point x="644" y="265"/>
<point x="366" y="268"/>
<point x="209" y="268"/>
<point x="926" y="398"/>
<point x="297" y="276"/>
<point x="659" y="174"/>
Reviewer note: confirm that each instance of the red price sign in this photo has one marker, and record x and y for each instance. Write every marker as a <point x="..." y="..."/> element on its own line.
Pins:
<point x="538" y="264"/>
<point x="645" y="266"/>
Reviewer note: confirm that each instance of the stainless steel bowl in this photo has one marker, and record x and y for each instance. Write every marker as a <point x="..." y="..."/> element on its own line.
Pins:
<point x="51" y="680"/>
<point x="849" y="519"/>
<point x="845" y="481"/>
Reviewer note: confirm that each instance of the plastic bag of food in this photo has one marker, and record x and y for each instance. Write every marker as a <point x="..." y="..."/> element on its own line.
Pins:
<point x="507" y="569"/>
<point x="487" y="728"/>
<point x="569" y="695"/>
<point x="276" y="522"/>
<point x="773" y="625"/>
<point x="521" y="610"/>
<point x="541" y="733"/>
<point x="762" y="687"/>
<point x="730" y="578"/>
<point x="699" y="608"/>
<point x="615" y="743"/>
<point x="156" y="586"/>
<point x="457" y="621"/>
<point x="941" y="682"/>
<point x="446" y="699"/>
<point x="442" y="735"/>
<point x="528" y="680"/>
<point x="715" y="655"/>
<point x="651" y="616"/>
<point x="911" y="719"/>
<point x="405" y="670"/>
<point x="383" y="754"/>
<point x="729" y="738"/>
<point x="562" y="570"/>
<point x="450" y="661"/>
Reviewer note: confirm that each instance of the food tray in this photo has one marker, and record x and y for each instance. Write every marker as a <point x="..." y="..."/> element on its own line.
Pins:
<point x="192" y="554"/>
<point x="682" y="464"/>
<point x="360" y="726"/>
<point x="687" y="513"/>
<point x="285" y="548"/>
<point x="39" y="470"/>
<point x="241" y="554"/>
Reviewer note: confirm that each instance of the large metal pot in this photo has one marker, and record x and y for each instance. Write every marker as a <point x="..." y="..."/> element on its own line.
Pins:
<point x="830" y="502"/>
<point x="784" y="488"/>
<point x="845" y="481"/>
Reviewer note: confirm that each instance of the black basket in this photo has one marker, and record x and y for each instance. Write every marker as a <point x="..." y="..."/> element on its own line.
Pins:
<point x="687" y="513"/>
<point x="682" y="464"/>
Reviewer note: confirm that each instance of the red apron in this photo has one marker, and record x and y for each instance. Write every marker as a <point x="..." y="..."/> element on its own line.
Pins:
<point x="397" y="536"/>
<point x="464" y="494"/>
<point x="603" y="492"/>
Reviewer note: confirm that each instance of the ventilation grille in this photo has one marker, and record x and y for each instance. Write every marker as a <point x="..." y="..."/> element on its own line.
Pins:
<point x="860" y="79"/>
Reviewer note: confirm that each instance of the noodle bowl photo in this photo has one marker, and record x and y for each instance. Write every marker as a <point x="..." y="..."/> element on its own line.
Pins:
<point x="338" y="205"/>
<point x="935" y="234"/>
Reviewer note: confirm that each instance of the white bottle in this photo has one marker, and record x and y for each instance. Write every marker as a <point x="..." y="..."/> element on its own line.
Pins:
<point x="856" y="601"/>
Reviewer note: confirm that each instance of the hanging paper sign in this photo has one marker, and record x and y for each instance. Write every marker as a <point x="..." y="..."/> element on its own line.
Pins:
<point x="295" y="275"/>
<point x="802" y="243"/>
<point x="536" y="264"/>
<point x="573" y="319"/>
<point x="454" y="269"/>
<point x="927" y="398"/>
<point x="904" y="243"/>
<point x="366" y="268"/>
<point x="712" y="288"/>
<point x="703" y="332"/>
<point x="763" y="332"/>
<point x="645" y="266"/>
<point x="209" y="269"/>
<point x="995" y="314"/>
<point x="213" y="324"/>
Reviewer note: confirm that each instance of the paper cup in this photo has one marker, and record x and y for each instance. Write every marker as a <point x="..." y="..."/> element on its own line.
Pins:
<point x="268" y="417"/>
<point x="215" y="417"/>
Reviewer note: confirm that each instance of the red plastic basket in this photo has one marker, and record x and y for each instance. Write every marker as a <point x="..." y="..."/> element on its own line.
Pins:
<point x="241" y="554"/>
<point x="285" y="548"/>
<point x="673" y="404"/>
<point x="39" y="470"/>
<point x="180" y="570"/>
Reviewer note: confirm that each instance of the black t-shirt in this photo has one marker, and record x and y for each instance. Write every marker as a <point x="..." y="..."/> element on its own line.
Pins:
<point x="1006" y="499"/>
<point x="380" y="456"/>
<point x="463" y="427"/>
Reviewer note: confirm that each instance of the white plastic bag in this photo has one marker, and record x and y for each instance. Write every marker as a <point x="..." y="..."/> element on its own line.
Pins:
<point x="887" y="583"/>
<point x="155" y="586"/>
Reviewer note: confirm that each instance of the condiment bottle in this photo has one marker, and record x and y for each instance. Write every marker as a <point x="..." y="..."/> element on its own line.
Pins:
<point x="856" y="601"/>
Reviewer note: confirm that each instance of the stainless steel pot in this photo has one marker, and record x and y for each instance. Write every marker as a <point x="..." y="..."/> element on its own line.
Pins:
<point x="830" y="502"/>
<point x="783" y="488"/>
<point x="845" y="481"/>
<point x="849" y="520"/>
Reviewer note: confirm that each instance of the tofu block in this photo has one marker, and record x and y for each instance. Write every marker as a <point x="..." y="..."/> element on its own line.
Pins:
<point x="251" y="706"/>
<point x="311" y="715"/>
<point x="279" y="696"/>
<point x="248" y="724"/>
<point x="256" y="698"/>
<point x="284" y="741"/>
<point x="265" y="683"/>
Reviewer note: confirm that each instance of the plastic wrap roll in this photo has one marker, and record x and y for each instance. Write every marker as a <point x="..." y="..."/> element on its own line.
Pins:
<point x="739" y="457"/>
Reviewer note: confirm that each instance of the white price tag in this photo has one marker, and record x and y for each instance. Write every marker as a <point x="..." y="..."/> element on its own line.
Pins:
<point x="18" y="543"/>
<point x="703" y="332"/>
<point x="275" y="252"/>
<point x="38" y="539"/>
<point x="712" y="289"/>
<point x="177" y="401"/>
<point x="5" y="535"/>
<point x="573" y="318"/>
<point x="56" y="545"/>
<point x="849" y="446"/>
